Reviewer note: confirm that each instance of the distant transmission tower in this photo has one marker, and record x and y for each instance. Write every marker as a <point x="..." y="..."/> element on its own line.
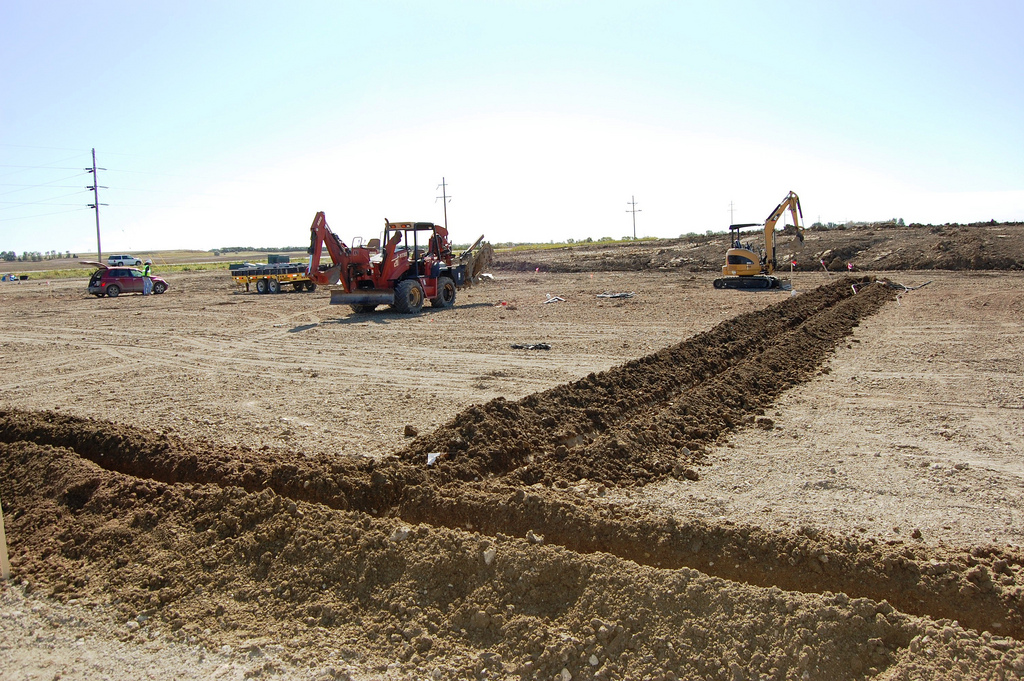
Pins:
<point x="445" y="199"/>
<point x="96" y="187"/>
<point x="634" y="210"/>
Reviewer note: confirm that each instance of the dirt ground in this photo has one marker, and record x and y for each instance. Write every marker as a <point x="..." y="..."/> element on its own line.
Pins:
<point x="867" y="247"/>
<point x="690" y="483"/>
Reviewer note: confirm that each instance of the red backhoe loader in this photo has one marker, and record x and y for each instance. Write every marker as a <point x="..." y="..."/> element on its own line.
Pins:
<point x="414" y="265"/>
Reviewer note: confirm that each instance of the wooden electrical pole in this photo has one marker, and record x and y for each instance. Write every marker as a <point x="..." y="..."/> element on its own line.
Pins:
<point x="96" y="202"/>
<point x="444" y="199"/>
<point x="634" y="210"/>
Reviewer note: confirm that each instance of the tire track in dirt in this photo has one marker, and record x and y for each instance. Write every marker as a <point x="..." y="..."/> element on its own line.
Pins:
<point x="962" y="588"/>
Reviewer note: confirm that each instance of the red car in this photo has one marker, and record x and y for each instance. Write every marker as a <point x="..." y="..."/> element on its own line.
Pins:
<point x="113" y="281"/>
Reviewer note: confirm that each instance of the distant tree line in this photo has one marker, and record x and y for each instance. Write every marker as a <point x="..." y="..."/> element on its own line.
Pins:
<point x="35" y="256"/>
<point x="249" y="249"/>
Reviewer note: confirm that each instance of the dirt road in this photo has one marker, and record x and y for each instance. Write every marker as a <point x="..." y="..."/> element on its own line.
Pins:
<point x="240" y="446"/>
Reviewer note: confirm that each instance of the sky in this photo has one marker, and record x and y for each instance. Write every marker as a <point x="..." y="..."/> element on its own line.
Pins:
<point x="226" y="124"/>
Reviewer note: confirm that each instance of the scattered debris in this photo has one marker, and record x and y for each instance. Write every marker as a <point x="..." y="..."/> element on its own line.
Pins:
<point x="554" y="299"/>
<point x="410" y="431"/>
<point x="531" y="346"/>
<point x="616" y="295"/>
<point x="505" y="304"/>
<point x="433" y="457"/>
<point x="898" y="286"/>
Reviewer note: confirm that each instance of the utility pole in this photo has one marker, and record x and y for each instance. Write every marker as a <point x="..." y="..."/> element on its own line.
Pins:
<point x="732" y="220"/>
<point x="96" y="201"/>
<point x="634" y="210"/>
<point x="445" y="199"/>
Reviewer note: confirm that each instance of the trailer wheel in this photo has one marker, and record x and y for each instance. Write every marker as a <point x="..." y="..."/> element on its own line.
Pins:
<point x="445" y="293"/>
<point x="311" y="286"/>
<point x="409" y="296"/>
<point x="273" y="286"/>
<point x="298" y="286"/>
<point x="261" y="286"/>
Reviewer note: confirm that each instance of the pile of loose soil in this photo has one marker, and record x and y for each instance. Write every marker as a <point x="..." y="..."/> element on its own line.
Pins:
<point x="868" y="247"/>
<point x="503" y="559"/>
<point x="651" y="417"/>
<point x="222" y="566"/>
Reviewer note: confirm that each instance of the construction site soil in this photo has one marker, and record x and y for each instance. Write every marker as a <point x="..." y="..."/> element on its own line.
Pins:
<point x="822" y="483"/>
<point x="875" y="247"/>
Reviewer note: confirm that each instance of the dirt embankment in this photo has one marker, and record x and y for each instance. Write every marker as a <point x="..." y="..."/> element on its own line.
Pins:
<point x="884" y="247"/>
<point x="218" y="564"/>
<point x="503" y="556"/>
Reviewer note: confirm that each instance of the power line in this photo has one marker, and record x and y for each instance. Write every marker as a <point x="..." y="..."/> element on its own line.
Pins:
<point x="31" y="217"/>
<point x="15" y="204"/>
<point x="32" y="146"/>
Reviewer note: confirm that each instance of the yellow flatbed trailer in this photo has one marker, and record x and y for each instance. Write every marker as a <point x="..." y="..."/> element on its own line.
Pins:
<point x="273" y="278"/>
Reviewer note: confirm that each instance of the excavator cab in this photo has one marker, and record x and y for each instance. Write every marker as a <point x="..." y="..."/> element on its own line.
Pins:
<point x="741" y="260"/>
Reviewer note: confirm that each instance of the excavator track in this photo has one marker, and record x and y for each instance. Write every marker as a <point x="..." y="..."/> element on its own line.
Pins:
<point x="753" y="283"/>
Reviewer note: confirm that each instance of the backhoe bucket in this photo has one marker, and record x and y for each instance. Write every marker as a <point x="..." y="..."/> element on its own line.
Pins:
<point x="476" y="261"/>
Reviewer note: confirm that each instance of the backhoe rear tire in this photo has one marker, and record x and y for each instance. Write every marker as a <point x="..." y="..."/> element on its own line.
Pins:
<point x="363" y="309"/>
<point x="445" y="293"/>
<point x="409" y="296"/>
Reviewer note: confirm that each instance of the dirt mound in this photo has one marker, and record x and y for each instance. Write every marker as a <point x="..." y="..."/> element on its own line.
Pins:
<point x="222" y="566"/>
<point x="652" y="416"/>
<point x="870" y="247"/>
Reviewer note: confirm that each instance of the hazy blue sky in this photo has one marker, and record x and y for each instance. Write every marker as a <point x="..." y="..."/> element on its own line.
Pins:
<point x="232" y="123"/>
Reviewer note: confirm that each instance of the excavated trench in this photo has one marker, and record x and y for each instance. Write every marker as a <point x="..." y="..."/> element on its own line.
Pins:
<point x="148" y="519"/>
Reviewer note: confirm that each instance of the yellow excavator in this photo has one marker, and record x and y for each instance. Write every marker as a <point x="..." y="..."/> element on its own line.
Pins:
<point x="746" y="268"/>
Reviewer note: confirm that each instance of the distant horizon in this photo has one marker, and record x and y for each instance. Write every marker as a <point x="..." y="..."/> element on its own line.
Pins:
<point x="82" y="254"/>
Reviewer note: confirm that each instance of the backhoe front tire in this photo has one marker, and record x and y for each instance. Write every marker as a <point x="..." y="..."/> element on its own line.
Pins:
<point x="409" y="296"/>
<point x="363" y="308"/>
<point x="445" y="293"/>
